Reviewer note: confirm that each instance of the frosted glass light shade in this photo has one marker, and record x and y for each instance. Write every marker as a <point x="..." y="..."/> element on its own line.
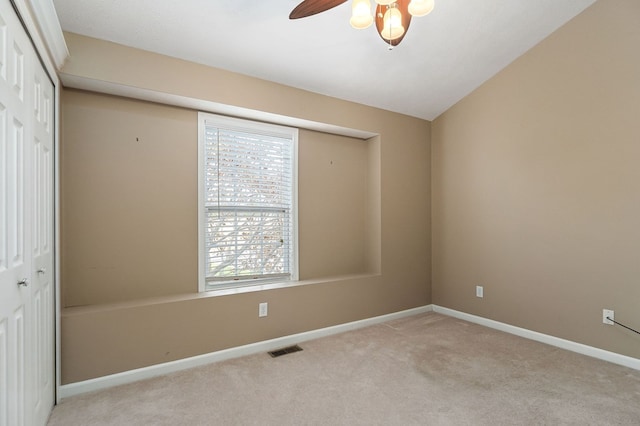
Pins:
<point x="392" y="28"/>
<point x="361" y="16"/>
<point x="421" y="7"/>
<point x="385" y="2"/>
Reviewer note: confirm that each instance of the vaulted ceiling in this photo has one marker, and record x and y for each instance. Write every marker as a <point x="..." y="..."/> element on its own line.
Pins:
<point x="443" y="57"/>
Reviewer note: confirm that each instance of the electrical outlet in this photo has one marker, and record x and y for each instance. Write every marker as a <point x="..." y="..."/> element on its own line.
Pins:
<point x="263" y="309"/>
<point x="607" y="313"/>
<point x="479" y="291"/>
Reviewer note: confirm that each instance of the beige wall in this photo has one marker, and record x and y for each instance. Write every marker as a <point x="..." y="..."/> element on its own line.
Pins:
<point x="333" y="205"/>
<point x="129" y="219"/>
<point x="129" y="181"/>
<point x="536" y="186"/>
<point x="129" y="173"/>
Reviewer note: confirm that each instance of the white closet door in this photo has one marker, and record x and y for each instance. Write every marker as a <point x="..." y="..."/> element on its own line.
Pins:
<point x="42" y="292"/>
<point x="26" y="170"/>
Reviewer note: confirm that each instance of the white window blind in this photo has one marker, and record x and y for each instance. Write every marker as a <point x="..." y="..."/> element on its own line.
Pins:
<point x="248" y="202"/>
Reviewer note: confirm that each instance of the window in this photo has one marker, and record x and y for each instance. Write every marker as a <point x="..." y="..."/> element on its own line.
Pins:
<point x="247" y="199"/>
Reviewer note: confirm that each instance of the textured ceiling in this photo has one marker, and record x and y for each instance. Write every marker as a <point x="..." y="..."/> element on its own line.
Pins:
<point x="443" y="57"/>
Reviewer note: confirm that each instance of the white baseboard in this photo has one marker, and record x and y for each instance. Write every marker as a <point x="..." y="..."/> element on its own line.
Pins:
<point x="130" y="376"/>
<point x="613" y="357"/>
<point x="71" y="389"/>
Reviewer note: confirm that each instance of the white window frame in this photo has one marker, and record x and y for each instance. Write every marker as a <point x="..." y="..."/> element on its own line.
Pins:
<point x="246" y="126"/>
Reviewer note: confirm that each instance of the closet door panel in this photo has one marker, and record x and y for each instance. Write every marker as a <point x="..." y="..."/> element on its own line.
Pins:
<point x="26" y="229"/>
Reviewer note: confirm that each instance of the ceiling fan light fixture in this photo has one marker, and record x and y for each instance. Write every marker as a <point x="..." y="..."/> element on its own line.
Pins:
<point x="421" y="7"/>
<point x="392" y="17"/>
<point x="361" y="16"/>
<point x="392" y="28"/>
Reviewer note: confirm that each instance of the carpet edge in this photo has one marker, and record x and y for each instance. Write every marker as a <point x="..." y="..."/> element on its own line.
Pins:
<point x="130" y="376"/>
<point x="569" y="345"/>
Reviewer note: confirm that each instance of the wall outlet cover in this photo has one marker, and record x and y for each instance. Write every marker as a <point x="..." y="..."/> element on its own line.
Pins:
<point x="479" y="291"/>
<point x="263" y="309"/>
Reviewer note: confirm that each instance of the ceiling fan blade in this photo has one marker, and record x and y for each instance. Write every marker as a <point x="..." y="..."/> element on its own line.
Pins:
<point x="311" y="7"/>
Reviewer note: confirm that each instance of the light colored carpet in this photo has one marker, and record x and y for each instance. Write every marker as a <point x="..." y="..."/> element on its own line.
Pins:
<point x="427" y="369"/>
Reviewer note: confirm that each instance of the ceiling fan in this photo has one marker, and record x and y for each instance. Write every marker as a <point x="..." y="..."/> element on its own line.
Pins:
<point x="392" y="17"/>
<point x="313" y="7"/>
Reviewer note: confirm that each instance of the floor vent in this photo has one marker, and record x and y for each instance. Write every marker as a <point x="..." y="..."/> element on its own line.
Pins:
<point x="284" y="351"/>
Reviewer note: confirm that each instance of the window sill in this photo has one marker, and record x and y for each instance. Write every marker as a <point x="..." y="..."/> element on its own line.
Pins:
<point x="86" y="309"/>
<point x="275" y="284"/>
